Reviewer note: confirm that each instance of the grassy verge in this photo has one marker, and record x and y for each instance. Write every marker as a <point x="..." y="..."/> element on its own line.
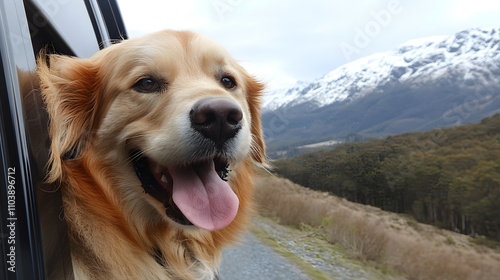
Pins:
<point x="304" y="266"/>
<point x="392" y="241"/>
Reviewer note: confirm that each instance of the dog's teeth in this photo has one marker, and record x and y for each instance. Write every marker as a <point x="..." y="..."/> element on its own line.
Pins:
<point x="164" y="179"/>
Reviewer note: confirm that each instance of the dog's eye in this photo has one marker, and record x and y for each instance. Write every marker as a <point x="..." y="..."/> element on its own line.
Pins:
<point x="228" y="82"/>
<point x="147" y="85"/>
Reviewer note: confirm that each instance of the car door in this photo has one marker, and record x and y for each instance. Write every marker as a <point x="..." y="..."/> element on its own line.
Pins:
<point x="34" y="241"/>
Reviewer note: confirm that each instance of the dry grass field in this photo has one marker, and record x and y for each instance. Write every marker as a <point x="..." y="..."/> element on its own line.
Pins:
<point x="391" y="241"/>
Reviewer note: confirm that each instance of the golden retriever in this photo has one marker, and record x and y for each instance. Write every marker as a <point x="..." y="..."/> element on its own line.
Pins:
<point x="153" y="143"/>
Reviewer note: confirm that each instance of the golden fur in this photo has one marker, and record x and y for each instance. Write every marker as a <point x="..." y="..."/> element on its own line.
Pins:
<point x="116" y="229"/>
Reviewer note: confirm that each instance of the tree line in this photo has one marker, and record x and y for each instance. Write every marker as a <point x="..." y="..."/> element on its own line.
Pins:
<point x="446" y="177"/>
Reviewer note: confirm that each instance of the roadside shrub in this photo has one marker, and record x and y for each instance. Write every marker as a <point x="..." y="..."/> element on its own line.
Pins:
<point x="365" y="239"/>
<point x="406" y="247"/>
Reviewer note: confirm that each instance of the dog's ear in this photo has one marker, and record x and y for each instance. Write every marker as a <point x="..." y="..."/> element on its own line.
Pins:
<point x="254" y="95"/>
<point x="71" y="91"/>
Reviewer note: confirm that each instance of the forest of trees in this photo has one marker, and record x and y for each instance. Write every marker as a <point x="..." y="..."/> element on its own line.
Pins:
<point x="445" y="177"/>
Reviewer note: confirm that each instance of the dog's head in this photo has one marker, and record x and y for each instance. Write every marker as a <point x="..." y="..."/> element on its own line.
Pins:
<point x="171" y="113"/>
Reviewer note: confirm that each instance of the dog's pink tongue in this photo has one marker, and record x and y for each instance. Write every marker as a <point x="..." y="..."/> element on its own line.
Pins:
<point x="203" y="197"/>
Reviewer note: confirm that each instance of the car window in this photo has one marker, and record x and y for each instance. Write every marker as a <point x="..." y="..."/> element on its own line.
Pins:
<point x="79" y="34"/>
<point x="34" y="244"/>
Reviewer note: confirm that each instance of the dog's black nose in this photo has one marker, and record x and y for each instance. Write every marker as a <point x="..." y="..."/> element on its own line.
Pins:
<point x="218" y="119"/>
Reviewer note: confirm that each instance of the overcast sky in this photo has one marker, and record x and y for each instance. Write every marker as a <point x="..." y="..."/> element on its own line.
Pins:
<point x="283" y="41"/>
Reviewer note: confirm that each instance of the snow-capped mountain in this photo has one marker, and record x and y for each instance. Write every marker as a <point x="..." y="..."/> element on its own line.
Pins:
<point x="472" y="56"/>
<point x="420" y="85"/>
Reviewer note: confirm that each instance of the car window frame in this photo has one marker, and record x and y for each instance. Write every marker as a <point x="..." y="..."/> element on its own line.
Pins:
<point x="41" y="249"/>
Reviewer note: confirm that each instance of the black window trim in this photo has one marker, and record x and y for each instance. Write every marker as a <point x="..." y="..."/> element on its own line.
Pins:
<point x="32" y="257"/>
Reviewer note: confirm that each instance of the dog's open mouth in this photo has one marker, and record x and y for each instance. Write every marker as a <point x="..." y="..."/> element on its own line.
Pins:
<point x="193" y="194"/>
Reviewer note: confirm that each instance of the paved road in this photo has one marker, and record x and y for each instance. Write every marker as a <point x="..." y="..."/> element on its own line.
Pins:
<point x="253" y="260"/>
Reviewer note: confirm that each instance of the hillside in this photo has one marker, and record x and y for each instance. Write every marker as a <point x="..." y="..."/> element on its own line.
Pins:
<point x="347" y="240"/>
<point x="445" y="177"/>
<point x="420" y="85"/>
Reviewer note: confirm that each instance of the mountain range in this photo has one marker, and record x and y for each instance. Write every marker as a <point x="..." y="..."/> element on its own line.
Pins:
<point x="420" y="85"/>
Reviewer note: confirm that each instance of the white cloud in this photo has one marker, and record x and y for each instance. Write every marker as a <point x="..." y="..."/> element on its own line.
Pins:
<point x="466" y="9"/>
<point x="145" y="16"/>
<point x="289" y="40"/>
